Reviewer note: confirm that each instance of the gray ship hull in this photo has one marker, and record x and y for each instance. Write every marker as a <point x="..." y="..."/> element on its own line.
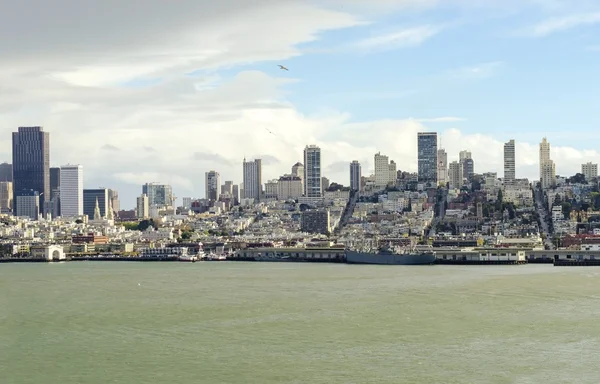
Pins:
<point x="354" y="257"/>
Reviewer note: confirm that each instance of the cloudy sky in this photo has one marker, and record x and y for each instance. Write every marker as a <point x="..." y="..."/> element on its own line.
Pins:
<point x="149" y="90"/>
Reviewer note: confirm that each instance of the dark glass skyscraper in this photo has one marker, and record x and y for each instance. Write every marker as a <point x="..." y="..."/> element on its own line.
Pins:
<point x="427" y="156"/>
<point x="31" y="164"/>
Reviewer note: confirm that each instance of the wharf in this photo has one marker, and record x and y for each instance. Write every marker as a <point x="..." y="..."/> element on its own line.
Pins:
<point x="479" y="262"/>
<point x="577" y="263"/>
<point x="23" y="260"/>
<point x="124" y="258"/>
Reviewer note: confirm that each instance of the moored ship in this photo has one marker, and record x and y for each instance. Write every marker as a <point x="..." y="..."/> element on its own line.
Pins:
<point x="390" y="256"/>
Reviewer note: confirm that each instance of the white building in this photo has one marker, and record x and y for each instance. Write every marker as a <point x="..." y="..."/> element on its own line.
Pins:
<point x="71" y="190"/>
<point x="547" y="167"/>
<point x="142" y="207"/>
<point x="289" y="187"/>
<point x="455" y="175"/>
<point x="442" y="166"/>
<point x="385" y="171"/>
<point x="589" y="170"/>
<point x="509" y="162"/>
<point x="252" y="179"/>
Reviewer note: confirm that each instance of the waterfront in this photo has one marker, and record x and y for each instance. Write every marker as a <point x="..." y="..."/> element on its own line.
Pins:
<point x="99" y="322"/>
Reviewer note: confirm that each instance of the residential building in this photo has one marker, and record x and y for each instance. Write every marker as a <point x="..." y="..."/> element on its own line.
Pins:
<point x="355" y="175"/>
<point x="289" y="187"/>
<point x="316" y="221"/>
<point x="442" y="166"/>
<point x="455" y="175"/>
<point x="71" y="190"/>
<point x="312" y="172"/>
<point x="509" y="162"/>
<point x="589" y="170"/>
<point x="466" y="161"/>
<point x="271" y="189"/>
<point x="298" y="170"/>
<point x="31" y="164"/>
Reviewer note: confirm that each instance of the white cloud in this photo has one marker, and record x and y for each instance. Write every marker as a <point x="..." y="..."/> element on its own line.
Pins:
<point x="563" y="23"/>
<point x="478" y="71"/>
<point x="446" y="119"/>
<point x="407" y="37"/>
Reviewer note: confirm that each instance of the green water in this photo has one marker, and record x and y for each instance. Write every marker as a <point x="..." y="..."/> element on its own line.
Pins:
<point x="103" y="322"/>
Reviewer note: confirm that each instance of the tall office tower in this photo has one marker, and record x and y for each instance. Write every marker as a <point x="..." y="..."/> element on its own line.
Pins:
<point x="28" y="204"/>
<point x="235" y="191"/>
<point x="54" y="203"/>
<point x="227" y="188"/>
<point x="98" y="196"/>
<point x="509" y="162"/>
<point x="142" y="207"/>
<point x="6" y="197"/>
<point x="252" y="174"/>
<point x="455" y="175"/>
<point x="589" y="171"/>
<point x="427" y="157"/>
<point x="442" y="168"/>
<point x="31" y="164"/>
<point x="114" y="202"/>
<point x="467" y="164"/>
<point x="355" y="174"/>
<point x="71" y="190"/>
<point x="212" y="183"/>
<point x="6" y="172"/>
<point x="159" y="195"/>
<point x="312" y="171"/>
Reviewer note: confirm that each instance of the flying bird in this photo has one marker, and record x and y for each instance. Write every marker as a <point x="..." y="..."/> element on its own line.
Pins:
<point x="268" y="130"/>
<point x="282" y="67"/>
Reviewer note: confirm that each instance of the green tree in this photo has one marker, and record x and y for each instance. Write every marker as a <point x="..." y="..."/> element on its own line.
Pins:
<point x="566" y="209"/>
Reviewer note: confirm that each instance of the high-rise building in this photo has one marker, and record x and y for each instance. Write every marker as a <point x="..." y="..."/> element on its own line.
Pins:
<point x="142" y="207"/>
<point x="509" y="162"/>
<point x="289" y="187"/>
<point x="427" y="157"/>
<point x="547" y="167"/>
<point x="31" y="164"/>
<point x="235" y="190"/>
<point x="355" y="174"/>
<point x="325" y="183"/>
<point x="71" y="190"/>
<point x="28" y="204"/>
<point x="385" y="171"/>
<point x="252" y="174"/>
<point x="467" y="164"/>
<point x="442" y="169"/>
<point x="455" y="175"/>
<point x="6" y="172"/>
<point x="312" y="171"/>
<point x="212" y="183"/>
<point x="159" y="195"/>
<point x="6" y="197"/>
<point x="93" y="196"/>
<point x="589" y="170"/>
<point x="54" y="203"/>
<point x="113" y="198"/>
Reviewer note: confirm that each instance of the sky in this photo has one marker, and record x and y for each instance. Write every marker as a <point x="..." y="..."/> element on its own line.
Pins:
<point x="148" y="91"/>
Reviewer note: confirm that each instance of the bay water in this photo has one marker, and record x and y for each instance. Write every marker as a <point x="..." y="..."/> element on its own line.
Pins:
<point x="234" y="322"/>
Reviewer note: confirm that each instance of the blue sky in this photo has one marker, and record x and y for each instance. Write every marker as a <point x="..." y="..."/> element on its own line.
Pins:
<point x="167" y="94"/>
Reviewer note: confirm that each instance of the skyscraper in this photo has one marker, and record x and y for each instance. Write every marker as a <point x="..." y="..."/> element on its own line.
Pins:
<point x="54" y="203"/>
<point x="355" y="174"/>
<point x="159" y="195"/>
<point x="212" y="183"/>
<point x="31" y="164"/>
<point x="547" y="168"/>
<point x="442" y="168"/>
<point x="252" y="176"/>
<point x="467" y="164"/>
<point x="6" y="172"/>
<point x="312" y="171"/>
<point x="71" y="190"/>
<point x="427" y="157"/>
<point x="509" y="162"/>
<point x="91" y="197"/>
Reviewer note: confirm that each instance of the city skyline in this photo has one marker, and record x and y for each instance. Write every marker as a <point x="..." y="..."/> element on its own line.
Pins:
<point x="145" y="115"/>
